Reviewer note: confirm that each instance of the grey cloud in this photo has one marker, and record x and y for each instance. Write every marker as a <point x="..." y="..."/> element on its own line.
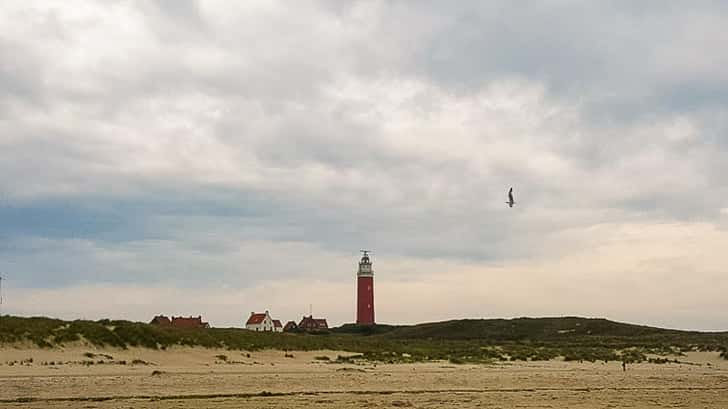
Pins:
<point x="613" y="55"/>
<point x="178" y="130"/>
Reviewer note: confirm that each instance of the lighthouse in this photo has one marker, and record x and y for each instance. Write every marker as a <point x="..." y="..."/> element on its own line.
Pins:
<point x="365" y="291"/>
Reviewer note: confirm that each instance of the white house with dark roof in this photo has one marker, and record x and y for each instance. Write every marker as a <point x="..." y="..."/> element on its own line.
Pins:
<point x="263" y="322"/>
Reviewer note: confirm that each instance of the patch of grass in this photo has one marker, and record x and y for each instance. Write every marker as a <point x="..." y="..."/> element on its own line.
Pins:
<point x="364" y="329"/>
<point x="590" y="354"/>
<point x="662" y="361"/>
<point x="473" y="341"/>
<point x="632" y="355"/>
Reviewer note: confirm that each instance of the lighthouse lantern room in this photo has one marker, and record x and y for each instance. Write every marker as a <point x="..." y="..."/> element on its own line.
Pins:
<point x="365" y="291"/>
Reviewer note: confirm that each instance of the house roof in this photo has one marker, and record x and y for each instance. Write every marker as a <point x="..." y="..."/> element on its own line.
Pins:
<point x="188" y="322"/>
<point x="313" y="322"/>
<point x="277" y="323"/>
<point x="255" y="318"/>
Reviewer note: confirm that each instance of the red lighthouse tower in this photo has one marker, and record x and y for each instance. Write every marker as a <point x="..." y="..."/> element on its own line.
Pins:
<point x="365" y="291"/>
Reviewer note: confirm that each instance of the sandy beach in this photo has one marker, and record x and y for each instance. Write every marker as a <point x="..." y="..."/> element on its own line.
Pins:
<point x="211" y="378"/>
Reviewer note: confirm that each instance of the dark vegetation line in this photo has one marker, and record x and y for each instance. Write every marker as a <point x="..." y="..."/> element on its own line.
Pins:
<point x="459" y="341"/>
<point x="353" y="392"/>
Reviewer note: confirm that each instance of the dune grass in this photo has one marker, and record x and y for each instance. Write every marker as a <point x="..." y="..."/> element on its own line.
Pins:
<point x="461" y="341"/>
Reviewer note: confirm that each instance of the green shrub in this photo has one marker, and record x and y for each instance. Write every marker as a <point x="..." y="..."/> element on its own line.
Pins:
<point x="632" y="356"/>
<point x="661" y="360"/>
<point x="473" y="341"/>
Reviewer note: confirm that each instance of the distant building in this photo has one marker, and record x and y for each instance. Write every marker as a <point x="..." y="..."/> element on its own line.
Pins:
<point x="290" y="326"/>
<point x="161" y="320"/>
<point x="189" y="322"/>
<point x="277" y="326"/>
<point x="180" y="322"/>
<point x="312" y="324"/>
<point x="263" y="322"/>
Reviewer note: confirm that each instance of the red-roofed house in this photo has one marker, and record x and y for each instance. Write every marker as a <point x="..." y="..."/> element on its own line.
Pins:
<point x="180" y="322"/>
<point x="312" y="324"/>
<point x="189" y="322"/>
<point x="263" y="322"/>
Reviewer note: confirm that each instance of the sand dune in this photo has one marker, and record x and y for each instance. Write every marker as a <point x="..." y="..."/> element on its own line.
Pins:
<point x="198" y="377"/>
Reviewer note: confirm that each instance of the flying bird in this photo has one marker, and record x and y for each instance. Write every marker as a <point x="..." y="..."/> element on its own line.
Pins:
<point x="510" y="201"/>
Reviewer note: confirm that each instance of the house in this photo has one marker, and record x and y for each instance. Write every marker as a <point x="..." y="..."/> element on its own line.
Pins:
<point x="263" y="322"/>
<point x="161" y="320"/>
<point x="189" y="322"/>
<point x="277" y="326"/>
<point x="312" y="324"/>
<point x="290" y="326"/>
<point x="180" y="322"/>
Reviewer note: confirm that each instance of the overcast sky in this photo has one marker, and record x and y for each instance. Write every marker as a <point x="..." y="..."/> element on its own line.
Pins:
<point x="223" y="157"/>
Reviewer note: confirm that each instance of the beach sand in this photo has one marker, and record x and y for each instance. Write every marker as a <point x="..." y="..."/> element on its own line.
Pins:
<point x="202" y="378"/>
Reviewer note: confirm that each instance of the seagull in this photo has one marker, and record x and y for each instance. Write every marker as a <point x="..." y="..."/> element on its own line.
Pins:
<point x="510" y="201"/>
